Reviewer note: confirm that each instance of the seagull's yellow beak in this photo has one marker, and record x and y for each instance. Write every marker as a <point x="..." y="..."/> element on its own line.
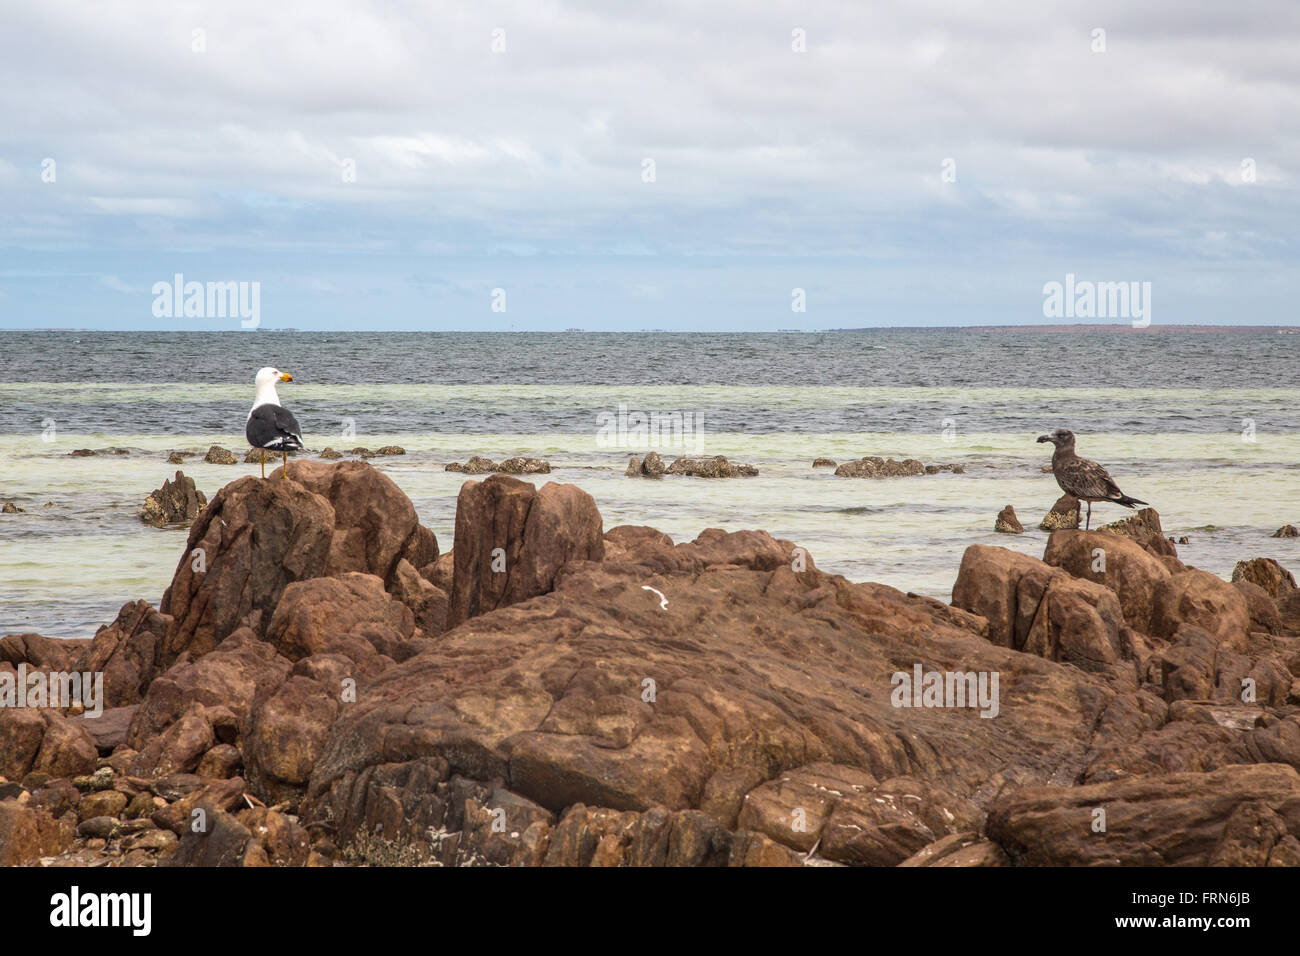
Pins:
<point x="286" y="377"/>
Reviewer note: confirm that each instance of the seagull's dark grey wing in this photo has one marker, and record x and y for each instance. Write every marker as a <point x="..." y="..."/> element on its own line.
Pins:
<point x="1085" y="479"/>
<point x="274" y="427"/>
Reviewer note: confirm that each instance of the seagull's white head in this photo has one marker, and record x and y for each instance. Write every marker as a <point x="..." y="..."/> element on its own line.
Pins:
<point x="266" y="381"/>
<point x="269" y="376"/>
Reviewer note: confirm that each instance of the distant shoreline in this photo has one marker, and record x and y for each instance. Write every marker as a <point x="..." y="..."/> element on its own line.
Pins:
<point x="1076" y="328"/>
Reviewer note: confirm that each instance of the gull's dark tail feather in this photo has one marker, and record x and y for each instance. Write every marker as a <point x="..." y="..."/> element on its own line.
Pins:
<point x="1128" y="502"/>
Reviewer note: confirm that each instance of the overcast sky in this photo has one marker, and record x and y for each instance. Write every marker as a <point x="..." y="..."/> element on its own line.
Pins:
<point x="927" y="162"/>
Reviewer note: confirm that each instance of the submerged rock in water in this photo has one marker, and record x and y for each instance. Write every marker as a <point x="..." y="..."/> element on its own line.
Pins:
<point x="176" y="458"/>
<point x="82" y="452"/>
<point x="220" y="456"/>
<point x="254" y="455"/>
<point x="824" y="463"/>
<point x="875" y="467"/>
<point x="176" y="502"/>
<point x="1286" y="531"/>
<point x="390" y="450"/>
<point x="1007" y="522"/>
<point x="715" y="466"/>
<point x="329" y="454"/>
<point x="476" y="465"/>
<point x="652" y="467"/>
<point x="11" y="509"/>
<point x="525" y="466"/>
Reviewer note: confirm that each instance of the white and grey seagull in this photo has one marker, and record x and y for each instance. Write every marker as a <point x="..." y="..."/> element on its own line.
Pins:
<point x="271" y="425"/>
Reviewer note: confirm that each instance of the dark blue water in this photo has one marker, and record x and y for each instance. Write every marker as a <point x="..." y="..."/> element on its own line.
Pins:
<point x="1118" y="381"/>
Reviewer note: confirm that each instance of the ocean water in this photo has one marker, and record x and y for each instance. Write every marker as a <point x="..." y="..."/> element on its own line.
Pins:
<point x="1204" y="426"/>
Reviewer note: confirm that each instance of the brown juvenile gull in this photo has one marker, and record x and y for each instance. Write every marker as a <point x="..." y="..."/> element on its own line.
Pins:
<point x="269" y="424"/>
<point x="1085" y="480"/>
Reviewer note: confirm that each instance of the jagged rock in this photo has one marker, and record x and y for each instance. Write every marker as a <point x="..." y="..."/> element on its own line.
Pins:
<point x="220" y="456"/>
<point x="176" y="458"/>
<point x="633" y="467"/>
<point x="254" y="538"/>
<point x="653" y="466"/>
<point x="11" y="509"/>
<point x="1286" y="531"/>
<point x="1007" y="522"/>
<point x="1144" y="528"/>
<point x="1064" y="514"/>
<point x="512" y="539"/>
<point x="176" y="502"/>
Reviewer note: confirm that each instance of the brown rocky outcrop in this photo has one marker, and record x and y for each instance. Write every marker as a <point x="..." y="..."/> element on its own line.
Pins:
<point x="581" y="698"/>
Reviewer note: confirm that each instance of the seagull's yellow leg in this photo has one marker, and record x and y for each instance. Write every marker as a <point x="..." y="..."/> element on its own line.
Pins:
<point x="285" y="472"/>
<point x="263" y="451"/>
